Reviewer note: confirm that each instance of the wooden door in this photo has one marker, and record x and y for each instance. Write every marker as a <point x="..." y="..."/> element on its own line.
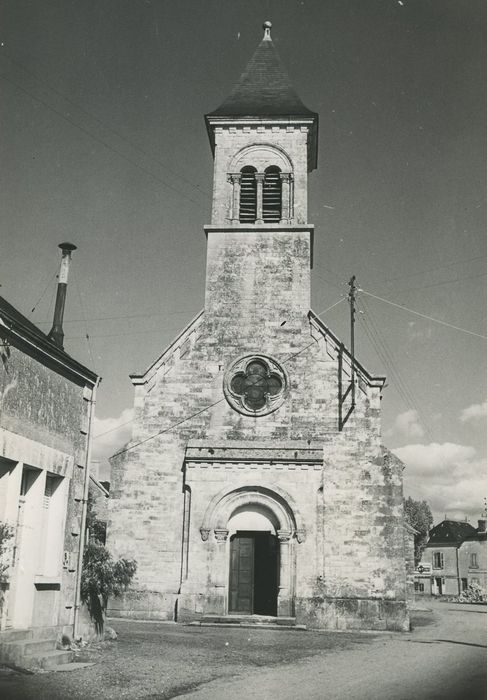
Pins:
<point x="241" y="574"/>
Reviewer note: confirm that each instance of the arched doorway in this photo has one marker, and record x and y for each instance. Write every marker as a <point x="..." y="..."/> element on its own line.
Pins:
<point x="270" y="519"/>
<point x="254" y="562"/>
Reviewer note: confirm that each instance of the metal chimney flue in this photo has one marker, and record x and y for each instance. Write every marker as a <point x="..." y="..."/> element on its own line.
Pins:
<point x="56" y="334"/>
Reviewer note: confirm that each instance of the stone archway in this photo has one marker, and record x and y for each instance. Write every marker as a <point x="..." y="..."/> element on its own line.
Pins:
<point x="284" y="519"/>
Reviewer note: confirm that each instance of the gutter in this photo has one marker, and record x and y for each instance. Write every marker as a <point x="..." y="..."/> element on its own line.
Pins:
<point x="86" y="485"/>
<point x="85" y="376"/>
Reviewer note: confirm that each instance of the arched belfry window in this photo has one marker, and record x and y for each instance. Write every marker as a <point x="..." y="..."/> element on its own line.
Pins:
<point x="272" y="195"/>
<point x="248" y="195"/>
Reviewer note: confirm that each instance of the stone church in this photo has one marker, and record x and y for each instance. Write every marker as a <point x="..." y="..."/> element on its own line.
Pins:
<point x="255" y="482"/>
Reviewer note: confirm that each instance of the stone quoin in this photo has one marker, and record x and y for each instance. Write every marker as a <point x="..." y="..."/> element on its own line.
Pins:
<point x="256" y="497"/>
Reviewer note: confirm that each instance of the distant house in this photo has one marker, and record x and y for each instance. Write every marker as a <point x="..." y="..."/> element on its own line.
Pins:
<point x="473" y="556"/>
<point x="46" y="409"/>
<point x="442" y="570"/>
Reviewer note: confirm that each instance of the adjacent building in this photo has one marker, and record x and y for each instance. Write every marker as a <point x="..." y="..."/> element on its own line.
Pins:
<point x="255" y="482"/>
<point x="454" y="557"/>
<point x="46" y="406"/>
<point x="473" y="556"/>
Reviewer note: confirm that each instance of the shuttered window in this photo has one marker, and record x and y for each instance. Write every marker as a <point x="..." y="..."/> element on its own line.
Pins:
<point x="272" y="195"/>
<point x="438" y="560"/>
<point x="248" y="195"/>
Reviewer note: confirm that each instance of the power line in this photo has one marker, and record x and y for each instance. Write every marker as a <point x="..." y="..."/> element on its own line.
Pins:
<point x="99" y="121"/>
<point x="124" y="316"/>
<point x="439" y="284"/>
<point x="166" y="430"/>
<point x="44" y="291"/>
<point x="101" y="141"/>
<point x="87" y="336"/>
<point x="287" y="359"/>
<point x="329" y="308"/>
<point x="433" y="269"/>
<point x="383" y="349"/>
<point x="429" y="318"/>
<point x="114" y="335"/>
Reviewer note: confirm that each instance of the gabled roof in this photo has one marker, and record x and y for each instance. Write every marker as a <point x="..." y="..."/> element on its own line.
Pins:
<point x="19" y="331"/>
<point x="264" y="91"/>
<point x="450" y="532"/>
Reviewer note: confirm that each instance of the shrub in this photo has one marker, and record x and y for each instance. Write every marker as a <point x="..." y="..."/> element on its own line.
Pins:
<point x="473" y="594"/>
<point x="6" y="533"/>
<point x="102" y="578"/>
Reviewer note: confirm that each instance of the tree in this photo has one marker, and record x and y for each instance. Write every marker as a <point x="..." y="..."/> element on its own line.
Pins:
<point x="102" y="578"/>
<point x="97" y="528"/>
<point x="418" y="515"/>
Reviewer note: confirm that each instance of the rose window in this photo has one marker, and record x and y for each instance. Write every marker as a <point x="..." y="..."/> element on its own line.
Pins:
<point x="255" y="385"/>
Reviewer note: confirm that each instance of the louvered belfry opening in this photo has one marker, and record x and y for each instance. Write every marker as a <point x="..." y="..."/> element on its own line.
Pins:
<point x="272" y="195"/>
<point x="248" y="195"/>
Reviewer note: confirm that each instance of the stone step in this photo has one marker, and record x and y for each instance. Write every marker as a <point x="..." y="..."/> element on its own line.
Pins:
<point x="27" y="648"/>
<point x="15" y="635"/>
<point x="48" y="660"/>
<point x="37" y="646"/>
<point x="249" y="621"/>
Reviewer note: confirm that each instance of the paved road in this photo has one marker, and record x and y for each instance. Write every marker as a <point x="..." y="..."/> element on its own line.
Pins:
<point x="444" y="658"/>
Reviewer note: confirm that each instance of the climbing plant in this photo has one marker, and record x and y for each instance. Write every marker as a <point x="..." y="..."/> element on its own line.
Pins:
<point x="6" y="534"/>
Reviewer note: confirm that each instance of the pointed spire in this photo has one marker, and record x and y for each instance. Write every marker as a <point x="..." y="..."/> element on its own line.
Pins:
<point x="264" y="88"/>
<point x="264" y="92"/>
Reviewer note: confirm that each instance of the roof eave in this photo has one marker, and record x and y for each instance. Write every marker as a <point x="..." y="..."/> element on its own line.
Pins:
<point x="44" y="350"/>
<point x="212" y="120"/>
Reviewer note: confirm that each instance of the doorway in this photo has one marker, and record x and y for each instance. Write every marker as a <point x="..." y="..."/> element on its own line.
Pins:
<point x="254" y="563"/>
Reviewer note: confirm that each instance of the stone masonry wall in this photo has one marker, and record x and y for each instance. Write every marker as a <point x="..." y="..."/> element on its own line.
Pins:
<point x="44" y="418"/>
<point x="230" y="141"/>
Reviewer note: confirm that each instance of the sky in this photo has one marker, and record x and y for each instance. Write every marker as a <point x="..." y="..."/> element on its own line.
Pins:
<point x="103" y="144"/>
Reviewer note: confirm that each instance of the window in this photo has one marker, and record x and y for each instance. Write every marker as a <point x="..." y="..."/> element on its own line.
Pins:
<point x="474" y="564"/>
<point x="50" y="549"/>
<point x="464" y="584"/>
<point x="255" y="385"/>
<point x="248" y="195"/>
<point x="272" y="195"/>
<point x="438" y="560"/>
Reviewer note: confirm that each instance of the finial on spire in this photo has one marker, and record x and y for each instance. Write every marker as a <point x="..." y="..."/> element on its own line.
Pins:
<point x="267" y="26"/>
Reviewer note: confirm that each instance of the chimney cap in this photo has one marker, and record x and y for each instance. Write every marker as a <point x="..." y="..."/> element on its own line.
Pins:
<point x="67" y="246"/>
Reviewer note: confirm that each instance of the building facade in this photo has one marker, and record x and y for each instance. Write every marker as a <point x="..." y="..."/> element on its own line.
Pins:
<point x="46" y="404"/>
<point x="444" y="565"/>
<point x="255" y="482"/>
<point x="473" y="557"/>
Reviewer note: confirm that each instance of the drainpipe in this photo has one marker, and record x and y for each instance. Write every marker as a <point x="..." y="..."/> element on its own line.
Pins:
<point x="56" y="334"/>
<point x="86" y="485"/>
<point x="458" y="574"/>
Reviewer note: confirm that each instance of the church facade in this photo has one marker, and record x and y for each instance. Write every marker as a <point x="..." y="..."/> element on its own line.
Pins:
<point x="244" y="490"/>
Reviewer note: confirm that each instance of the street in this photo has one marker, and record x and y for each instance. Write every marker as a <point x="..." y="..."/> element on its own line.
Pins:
<point x="445" y="656"/>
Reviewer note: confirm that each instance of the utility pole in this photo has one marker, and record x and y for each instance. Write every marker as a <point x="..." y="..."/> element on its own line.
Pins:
<point x="352" y="295"/>
<point x="343" y="414"/>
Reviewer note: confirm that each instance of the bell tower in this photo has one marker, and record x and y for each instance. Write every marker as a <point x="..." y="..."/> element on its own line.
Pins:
<point x="264" y="144"/>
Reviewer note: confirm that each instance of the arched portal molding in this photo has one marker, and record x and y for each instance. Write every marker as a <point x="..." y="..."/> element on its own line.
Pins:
<point x="261" y="156"/>
<point x="282" y="506"/>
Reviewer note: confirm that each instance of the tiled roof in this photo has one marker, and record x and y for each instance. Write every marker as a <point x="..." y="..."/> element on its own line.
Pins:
<point x="264" y="89"/>
<point x="450" y="532"/>
<point x="17" y="328"/>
